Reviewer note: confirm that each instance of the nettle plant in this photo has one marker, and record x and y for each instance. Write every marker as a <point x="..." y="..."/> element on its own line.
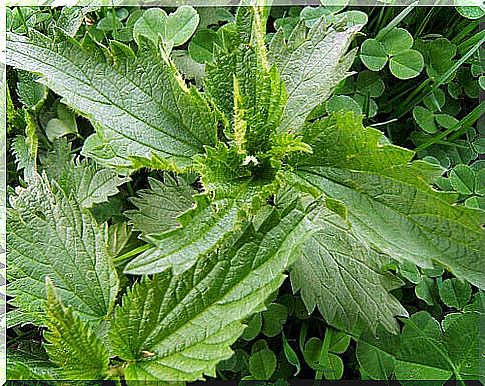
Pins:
<point x="282" y="190"/>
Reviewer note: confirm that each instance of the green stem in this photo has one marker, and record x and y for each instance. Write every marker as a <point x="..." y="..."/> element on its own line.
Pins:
<point x="133" y="252"/>
<point x="323" y="359"/>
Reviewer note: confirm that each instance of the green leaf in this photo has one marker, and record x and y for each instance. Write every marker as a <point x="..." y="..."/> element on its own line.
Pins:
<point x="470" y="11"/>
<point x="342" y="276"/>
<point x="455" y="293"/>
<point x="311" y="65"/>
<point x="274" y="318"/>
<point x="425" y="119"/>
<point x="370" y="83"/>
<point x="373" y="55"/>
<point x="406" y="64"/>
<point x="339" y="103"/>
<point x="462" y="178"/>
<point x="396" y="41"/>
<point x="253" y="328"/>
<point x="90" y="183"/>
<point x="181" y="25"/>
<point x="426" y="290"/>
<point x="423" y="351"/>
<point x="63" y="125"/>
<point x="174" y="29"/>
<point x="426" y="353"/>
<point x="376" y="353"/>
<point x="144" y="111"/>
<point x="335" y="369"/>
<point x="202" y="230"/>
<point x="30" y="92"/>
<point x="185" y="324"/>
<point x="247" y="90"/>
<point x="379" y="185"/>
<point x="262" y="364"/>
<point x="29" y="361"/>
<point x="339" y="342"/>
<point x="311" y="353"/>
<point x="202" y="45"/>
<point x="49" y="234"/>
<point x="72" y="345"/>
<point x="290" y="355"/>
<point x="158" y="207"/>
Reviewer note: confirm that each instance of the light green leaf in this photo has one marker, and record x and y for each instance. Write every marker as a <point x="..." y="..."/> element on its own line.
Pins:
<point x="151" y="24"/>
<point x="373" y="55"/>
<point x="290" y="355"/>
<point x="247" y="90"/>
<point x="185" y="324"/>
<point x="174" y="29"/>
<point x="158" y="207"/>
<point x="426" y="290"/>
<point x="406" y="64"/>
<point x="90" y="183"/>
<point x="72" y="345"/>
<point x="396" y="40"/>
<point x="202" y="230"/>
<point x="181" y="25"/>
<point x="262" y="364"/>
<point x="380" y="186"/>
<point x="455" y="293"/>
<point x="63" y="125"/>
<point x="50" y="234"/>
<point x="311" y="65"/>
<point x="145" y="110"/>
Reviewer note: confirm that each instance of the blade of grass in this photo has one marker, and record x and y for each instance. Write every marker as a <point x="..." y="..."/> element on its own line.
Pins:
<point x="394" y="22"/>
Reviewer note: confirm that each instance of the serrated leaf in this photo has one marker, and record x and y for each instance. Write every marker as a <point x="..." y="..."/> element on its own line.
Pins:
<point x="380" y="186"/>
<point x="185" y="324"/>
<point x="29" y="361"/>
<point x="49" y="234"/>
<point x="311" y="66"/>
<point x="72" y="345"/>
<point x="30" y="92"/>
<point x="341" y="275"/>
<point x="158" y="207"/>
<point x="90" y="183"/>
<point x="246" y="89"/>
<point x="150" y="113"/>
<point x="204" y="228"/>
